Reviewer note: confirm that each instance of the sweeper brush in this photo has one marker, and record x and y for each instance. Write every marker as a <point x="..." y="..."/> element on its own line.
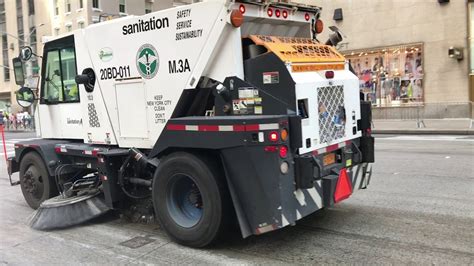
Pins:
<point x="61" y="212"/>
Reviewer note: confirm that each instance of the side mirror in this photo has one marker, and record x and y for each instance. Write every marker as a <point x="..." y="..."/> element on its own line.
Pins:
<point x="26" y="53"/>
<point x="25" y="97"/>
<point x="18" y="70"/>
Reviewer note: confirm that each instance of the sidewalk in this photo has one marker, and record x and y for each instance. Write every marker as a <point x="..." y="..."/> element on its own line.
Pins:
<point x="429" y="126"/>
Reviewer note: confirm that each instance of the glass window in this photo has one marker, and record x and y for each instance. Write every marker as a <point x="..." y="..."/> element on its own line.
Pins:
<point x="60" y="72"/>
<point x="122" y="6"/>
<point x="390" y="76"/>
<point x="95" y="3"/>
<point x="6" y="61"/>
<point x="147" y="7"/>
<point x="68" y="5"/>
<point x="19" y="20"/>
<point x="53" y="88"/>
<point x="31" y="7"/>
<point x="3" y="29"/>
<point x="81" y="25"/>
<point x="68" y="28"/>
<point x="56" y="8"/>
<point x="81" y="3"/>
<point x="68" y="66"/>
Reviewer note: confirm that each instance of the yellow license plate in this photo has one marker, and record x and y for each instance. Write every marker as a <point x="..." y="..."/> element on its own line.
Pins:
<point x="329" y="159"/>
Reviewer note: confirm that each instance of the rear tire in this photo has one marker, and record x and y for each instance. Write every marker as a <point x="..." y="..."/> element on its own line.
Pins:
<point x="190" y="199"/>
<point x="35" y="182"/>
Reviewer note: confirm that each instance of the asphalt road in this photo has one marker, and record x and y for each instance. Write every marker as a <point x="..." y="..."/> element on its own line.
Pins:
<point x="418" y="209"/>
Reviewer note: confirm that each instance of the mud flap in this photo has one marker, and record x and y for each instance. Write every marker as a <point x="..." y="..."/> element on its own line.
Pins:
<point x="12" y="167"/>
<point x="366" y="175"/>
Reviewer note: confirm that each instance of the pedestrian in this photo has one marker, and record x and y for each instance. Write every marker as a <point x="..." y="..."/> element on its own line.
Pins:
<point x="12" y="121"/>
<point x="1" y="118"/>
<point x="23" y="119"/>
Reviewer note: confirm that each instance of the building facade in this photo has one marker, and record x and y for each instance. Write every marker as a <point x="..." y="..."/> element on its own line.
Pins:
<point x="400" y="51"/>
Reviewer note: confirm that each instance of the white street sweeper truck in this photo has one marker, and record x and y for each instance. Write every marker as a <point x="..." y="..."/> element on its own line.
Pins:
<point x="207" y="114"/>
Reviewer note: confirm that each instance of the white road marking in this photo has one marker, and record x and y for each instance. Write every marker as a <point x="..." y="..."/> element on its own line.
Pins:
<point x="10" y="145"/>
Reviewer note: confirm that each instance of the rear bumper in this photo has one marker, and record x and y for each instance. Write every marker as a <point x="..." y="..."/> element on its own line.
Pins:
<point x="265" y="199"/>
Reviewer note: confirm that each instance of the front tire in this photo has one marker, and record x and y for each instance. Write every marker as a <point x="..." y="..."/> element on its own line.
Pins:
<point x="35" y="182"/>
<point x="190" y="199"/>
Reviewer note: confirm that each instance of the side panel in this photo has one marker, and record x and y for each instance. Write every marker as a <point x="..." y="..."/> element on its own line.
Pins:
<point x="333" y="108"/>
<point x="132" y="121"/>
<point x="96" y="120"/>
<point x="167" y="50"/>
<point x="61" y="121"/>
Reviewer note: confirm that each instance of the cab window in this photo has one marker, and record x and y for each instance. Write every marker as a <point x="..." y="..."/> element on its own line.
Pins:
<point x="59" y="77"/>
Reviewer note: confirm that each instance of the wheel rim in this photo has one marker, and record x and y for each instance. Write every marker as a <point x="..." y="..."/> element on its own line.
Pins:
<point x="33" y="182"/>
<point x="184" y="201"/>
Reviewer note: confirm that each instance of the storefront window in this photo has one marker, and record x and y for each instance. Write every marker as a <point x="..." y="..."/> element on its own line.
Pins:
<point x="390" y="76"/>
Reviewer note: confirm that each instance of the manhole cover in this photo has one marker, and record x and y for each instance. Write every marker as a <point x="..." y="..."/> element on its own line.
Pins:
<point x="137" y="242"/>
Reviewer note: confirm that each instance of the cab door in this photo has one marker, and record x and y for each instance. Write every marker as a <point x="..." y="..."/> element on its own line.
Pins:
<point x="59" y="109"/>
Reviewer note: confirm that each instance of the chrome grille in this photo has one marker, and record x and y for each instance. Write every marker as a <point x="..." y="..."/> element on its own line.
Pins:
<point x="332" y="117"/>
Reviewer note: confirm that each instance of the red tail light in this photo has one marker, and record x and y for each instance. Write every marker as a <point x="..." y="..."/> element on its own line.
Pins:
<point x="270" y="12"/>
<point x="329" y="74"/>
<point x="277" y="13"/>
<point x="283" y="151"/>
<point x="242" y="9"/>
<point x="273" y="136"/>
<point x="307" y="17"/>
<point x="285" y="14"/>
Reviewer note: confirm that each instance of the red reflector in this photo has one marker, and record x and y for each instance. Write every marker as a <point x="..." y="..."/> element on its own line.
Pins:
<point x="283" y="151"/>
<point x="329" y="74"/>
<point x="270" y="12"/>
<point x="343" y="186"/>
<point x="273" y="136"/>
<point x="176" y="127"/>
<point x="57" y="149"/>
<point x="242" y="9"/>
<point x="270" y="148"/>
<point x="285" y="14"/>
<point x="95" y="152"/>
<point x="307" y="17"/>
<point x="277" y="13"/>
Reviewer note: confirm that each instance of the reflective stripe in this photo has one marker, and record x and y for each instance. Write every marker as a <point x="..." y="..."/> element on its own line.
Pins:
<point x="223" y="128"/>
<point x="192" y="128"/>
<point x="332" y="147"/>
<point x="269" y="126"/>
<point x="226" y="128"/>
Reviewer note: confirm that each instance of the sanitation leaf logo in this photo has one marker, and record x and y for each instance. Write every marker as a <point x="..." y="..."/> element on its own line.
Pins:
<point x="147" y="61"/>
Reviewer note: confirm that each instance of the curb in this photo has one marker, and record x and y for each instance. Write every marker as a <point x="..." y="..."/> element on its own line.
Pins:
<point x="424" y="131"/>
